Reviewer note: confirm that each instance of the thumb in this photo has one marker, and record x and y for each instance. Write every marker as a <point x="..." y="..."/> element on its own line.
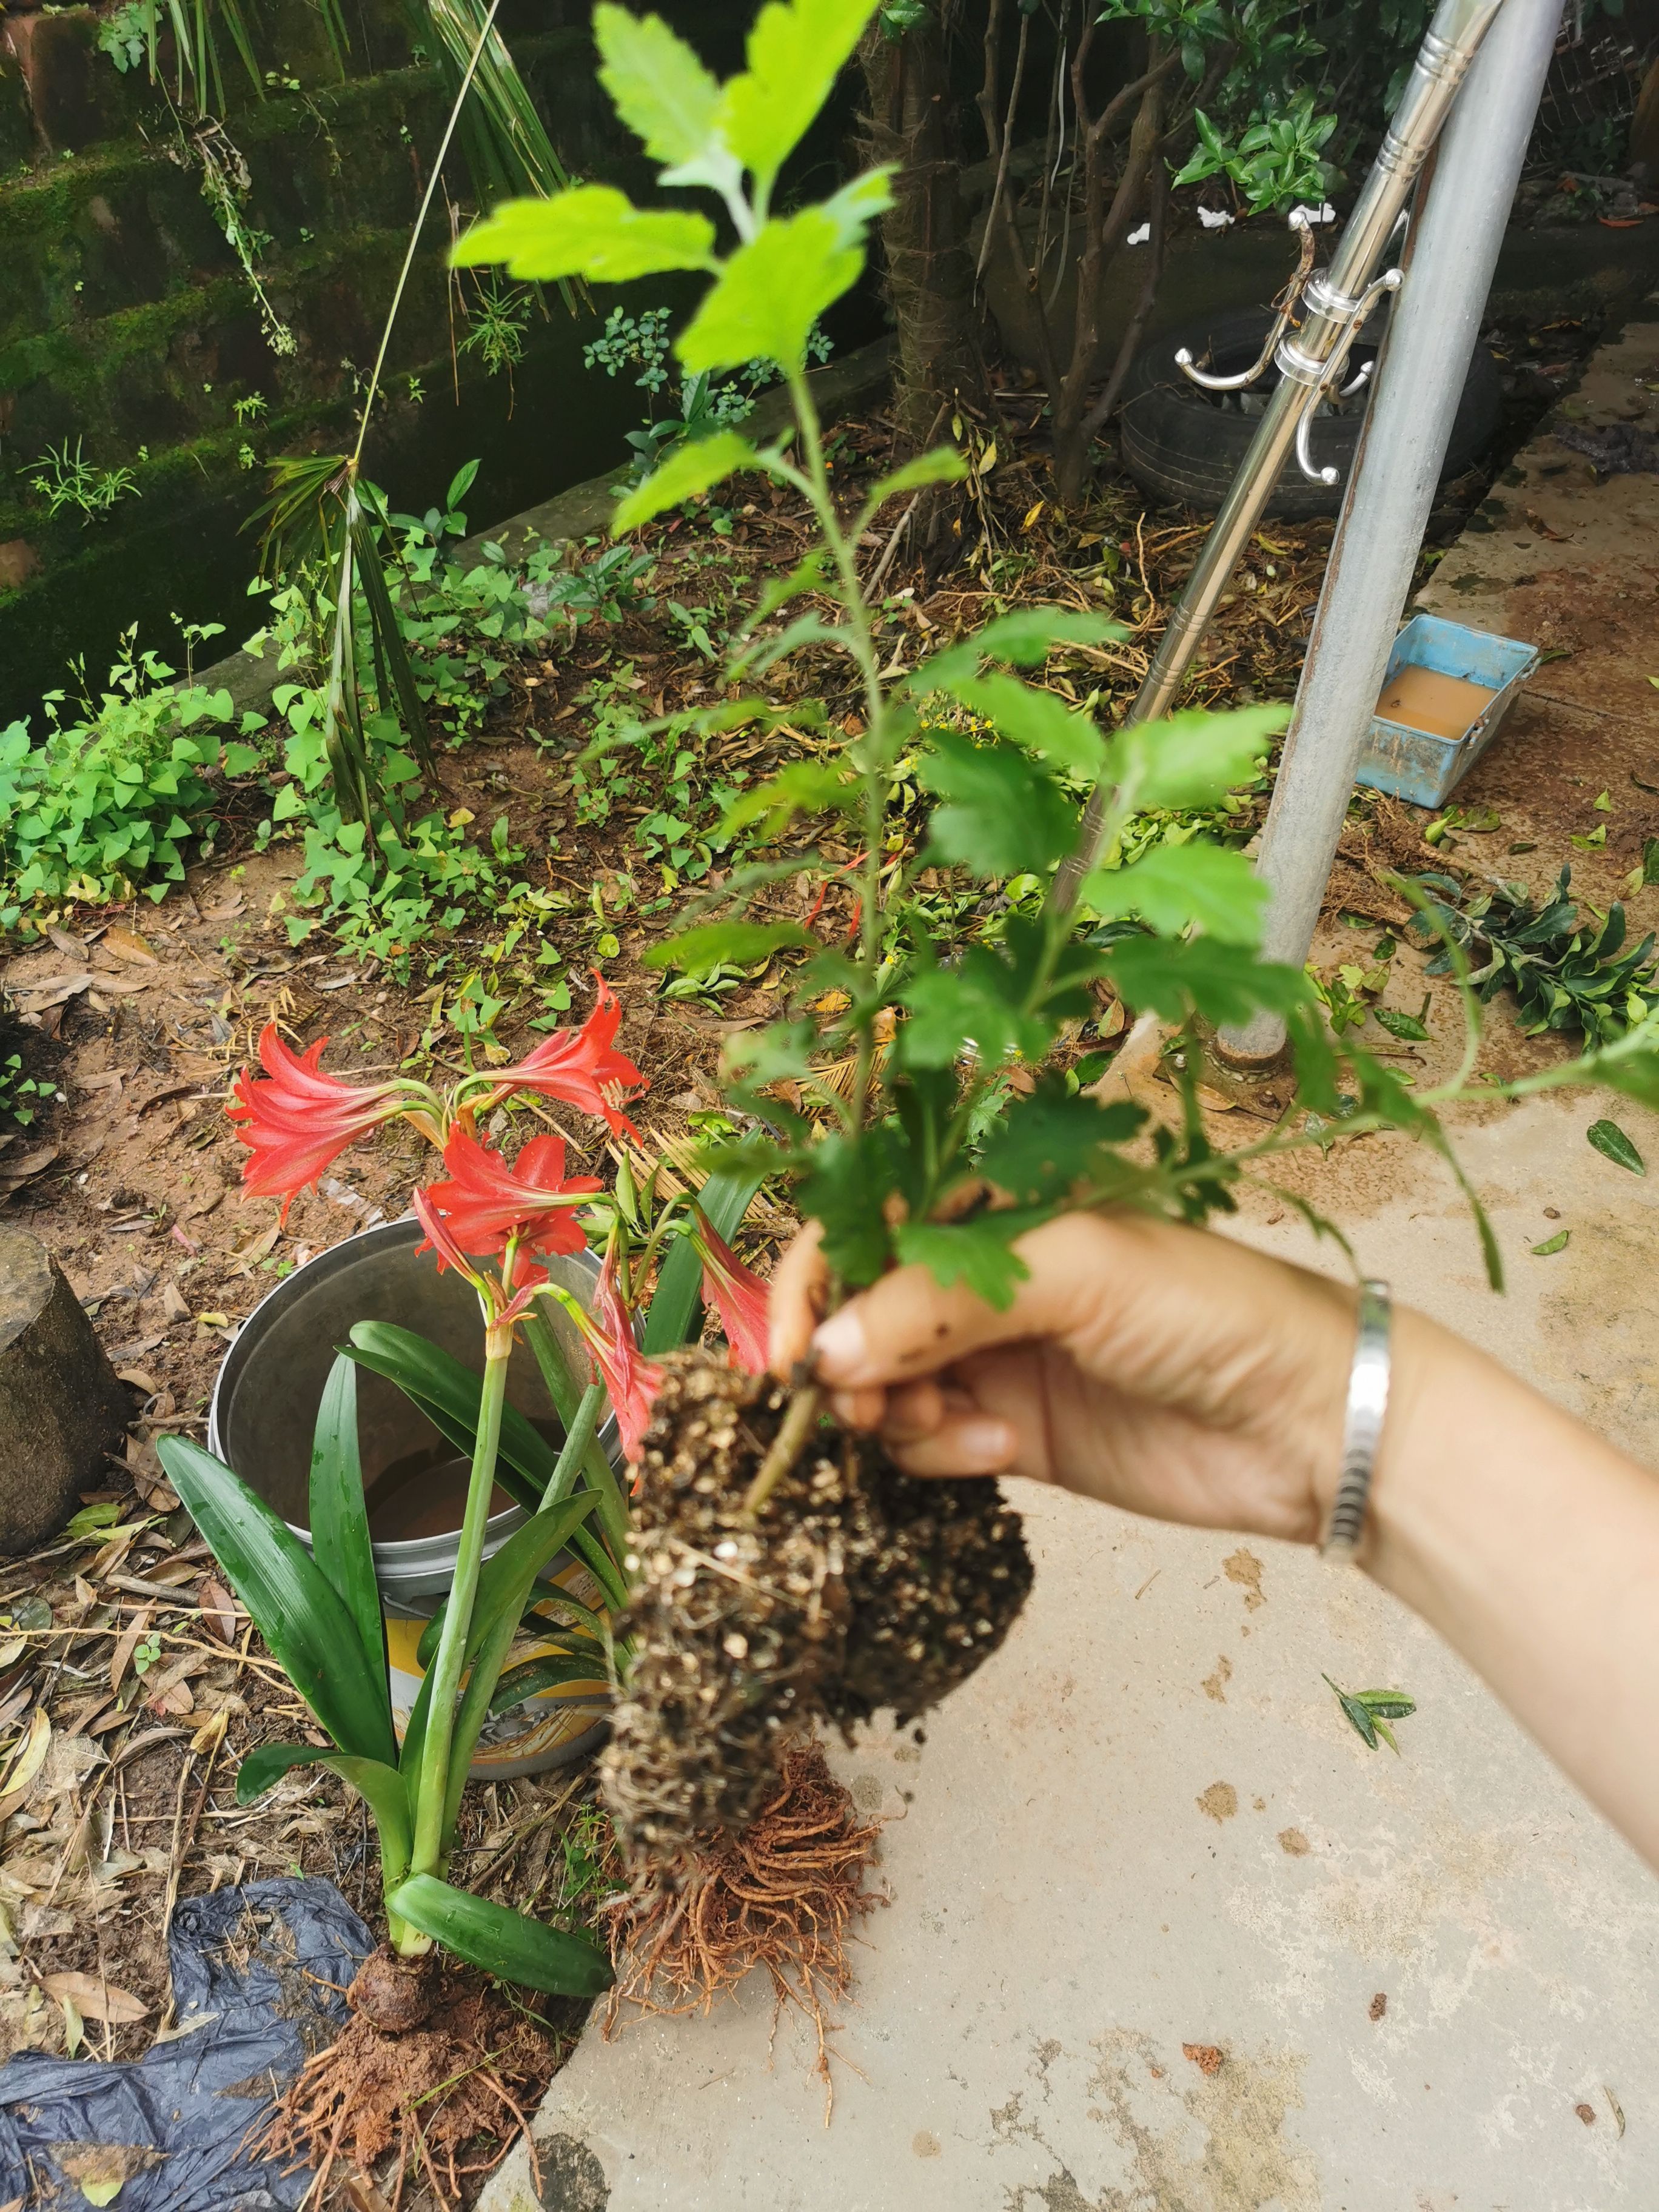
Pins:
<point x="908" y="1325"/>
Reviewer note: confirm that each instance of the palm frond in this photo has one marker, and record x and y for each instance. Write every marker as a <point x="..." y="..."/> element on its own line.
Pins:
<point x="302" y="517"/>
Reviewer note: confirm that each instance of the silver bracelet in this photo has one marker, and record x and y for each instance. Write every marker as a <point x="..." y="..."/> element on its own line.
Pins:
<point x="1362" y="1427"/>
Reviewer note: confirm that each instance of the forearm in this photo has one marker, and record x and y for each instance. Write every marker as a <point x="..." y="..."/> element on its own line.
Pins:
<point x="1533" y="1548"/>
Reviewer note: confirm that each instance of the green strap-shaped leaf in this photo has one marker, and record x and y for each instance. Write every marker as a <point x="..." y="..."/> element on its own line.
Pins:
<point x="381" y="1787"/>
<point x="549" y="1673"/>
<point x="339" y="1518"/>
<point x="539" y="1539"/>
<point x="449" y="1394"/>
<point x="496" y="1613"/>
<point x="741" y="943"/>
<point x="672" y="1320"/>
<point x="293" y="1604"/>
<point x="501" y="1942"/>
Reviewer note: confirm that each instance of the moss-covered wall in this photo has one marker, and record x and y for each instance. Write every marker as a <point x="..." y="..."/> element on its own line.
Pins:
<point x="127" y="324"/>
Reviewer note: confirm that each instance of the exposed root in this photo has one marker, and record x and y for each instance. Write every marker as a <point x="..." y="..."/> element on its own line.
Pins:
<point x="782" y="1894"/>
<point x="450" y="2100"/>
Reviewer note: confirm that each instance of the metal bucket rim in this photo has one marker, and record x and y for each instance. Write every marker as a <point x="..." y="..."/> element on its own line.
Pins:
<point x="416" y="1554"/>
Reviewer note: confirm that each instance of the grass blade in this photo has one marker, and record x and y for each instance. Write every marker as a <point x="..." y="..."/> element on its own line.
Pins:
<point x="501" y="1942"/>
<point x="293" y="1604"/>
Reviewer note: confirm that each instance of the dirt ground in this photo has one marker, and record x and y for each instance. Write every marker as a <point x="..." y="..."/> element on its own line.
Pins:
<point x="141" y="1016"/>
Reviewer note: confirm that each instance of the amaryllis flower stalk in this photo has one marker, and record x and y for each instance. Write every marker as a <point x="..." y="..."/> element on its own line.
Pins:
<point x="296" y="1121"/>
<point x="738" y="1295"/>
<point x="581" y="1067"/>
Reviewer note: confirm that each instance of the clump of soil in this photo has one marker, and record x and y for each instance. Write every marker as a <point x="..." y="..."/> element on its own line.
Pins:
<point x="858" y="1587"/>
<point x="450" y="2094"/>
<point x="782" y="1894"/>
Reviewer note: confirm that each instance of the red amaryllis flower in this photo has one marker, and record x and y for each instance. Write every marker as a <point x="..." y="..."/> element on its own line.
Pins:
<point x="503" y="1302"/>
<point x="486" y="1205"/>
<point x="631" y="1380"/>
<point x="737" y="1294"/>
<point x="298" y="1119"/>
<point x="582" y="1067"/>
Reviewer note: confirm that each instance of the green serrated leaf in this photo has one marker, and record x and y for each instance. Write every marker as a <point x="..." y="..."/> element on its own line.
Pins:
<point x="1035" y="721"/>
<point x="1610" y="1140"/>
<point x="592" y="231"/>
<point x="978" y="1002"/>
<point x="846" y="1180"/>
<point x="1193" y="759"/>
<point x="1025" y="638"/>
<point x="742" y="943"/>
<point x="1225" y="984"/>
<point x="689" y="470"/>
<point x="1176" y="887"/>
<point x="665" y="95"/>
<point x="1359" y="1719"/>
<point x="804" y="787"/>
<point x="796" y="51"/>
<point x="943" y="464"/>
<point x="1049" y="1142"/>
<point x="976" y="1253"/>
<point x="1556" y="1243"/>
<point x="999" y="815"/>
<point x="769" y="295"/>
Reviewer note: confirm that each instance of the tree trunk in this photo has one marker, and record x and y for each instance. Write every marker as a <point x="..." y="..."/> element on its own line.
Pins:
<point x="930" y="269"/>
<point x="60" y="1408"/>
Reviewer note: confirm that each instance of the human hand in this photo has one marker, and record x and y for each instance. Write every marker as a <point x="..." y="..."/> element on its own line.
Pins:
<point x="1159" y="1368"/>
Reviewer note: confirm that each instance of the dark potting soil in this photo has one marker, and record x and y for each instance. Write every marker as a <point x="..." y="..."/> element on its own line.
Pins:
<point x="860" y="1588"/>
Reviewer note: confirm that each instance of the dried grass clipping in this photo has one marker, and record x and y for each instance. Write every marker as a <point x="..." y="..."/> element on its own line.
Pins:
<point x="783" y="1895"/>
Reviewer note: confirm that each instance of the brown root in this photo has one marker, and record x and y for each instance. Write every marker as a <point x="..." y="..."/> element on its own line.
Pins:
<point x="782" y="1894"/>
<point x="449" y="2100"/>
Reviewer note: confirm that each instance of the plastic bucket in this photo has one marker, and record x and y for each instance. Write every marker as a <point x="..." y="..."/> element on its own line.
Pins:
<point x="265" y="1409"/>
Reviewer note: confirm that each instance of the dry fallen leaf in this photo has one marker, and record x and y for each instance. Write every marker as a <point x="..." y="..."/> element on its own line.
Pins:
<point x="218" y="1609"/>
<point x="211" y="1734"/>
<point x="174" y="1303"/>
<point x="126" y="944"/>
<point x="96" y="1999"/>
<point x="126" y="1644"/>
<point x="140" y="1380"/>
<point x="25" y="1762"/>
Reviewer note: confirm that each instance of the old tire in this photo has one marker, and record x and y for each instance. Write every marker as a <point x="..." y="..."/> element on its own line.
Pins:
<point x="1183" y="447"/>
<point x="60" y="1408"/>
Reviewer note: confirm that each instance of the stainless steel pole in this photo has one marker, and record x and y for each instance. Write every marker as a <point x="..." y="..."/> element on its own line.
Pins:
<point x="1335" y="304"/>
<point x="1418" y="382"/>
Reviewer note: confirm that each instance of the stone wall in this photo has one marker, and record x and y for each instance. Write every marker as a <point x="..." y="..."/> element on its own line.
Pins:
<point x="127" y="323"/>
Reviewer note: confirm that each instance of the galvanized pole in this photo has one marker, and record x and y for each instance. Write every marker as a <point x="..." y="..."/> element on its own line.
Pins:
<point x="1419" y="379"/>
<point x="1310" y="358"/>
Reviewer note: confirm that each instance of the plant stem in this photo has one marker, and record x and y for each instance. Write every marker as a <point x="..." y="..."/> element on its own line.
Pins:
<point x="578" y="1436"/>
<point x="566" y="1392"/>
<point x="458" y="1619"/>
<point x="414" y="234"/>
<point x="799" y="1420"/>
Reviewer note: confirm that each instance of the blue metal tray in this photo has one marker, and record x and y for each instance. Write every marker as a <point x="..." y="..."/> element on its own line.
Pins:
<point x="1414" y="764"/>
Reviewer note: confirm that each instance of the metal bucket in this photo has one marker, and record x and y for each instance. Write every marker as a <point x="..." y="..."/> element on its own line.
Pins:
<point x="265" y="1409"/>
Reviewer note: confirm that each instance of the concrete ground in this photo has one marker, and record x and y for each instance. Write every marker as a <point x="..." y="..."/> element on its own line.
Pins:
<point x="1164" y="1936"/>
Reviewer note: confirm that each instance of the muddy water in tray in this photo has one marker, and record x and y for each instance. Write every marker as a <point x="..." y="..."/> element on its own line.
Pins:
<point x="1423" y="699"/>
<point x="423" y="1494"/>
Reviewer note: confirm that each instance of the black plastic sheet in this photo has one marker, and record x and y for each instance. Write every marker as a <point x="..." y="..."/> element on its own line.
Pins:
<point x="256" y="1978"/>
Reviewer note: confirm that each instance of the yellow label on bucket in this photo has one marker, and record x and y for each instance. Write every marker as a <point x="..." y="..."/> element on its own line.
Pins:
<point x="533" y="1735"/>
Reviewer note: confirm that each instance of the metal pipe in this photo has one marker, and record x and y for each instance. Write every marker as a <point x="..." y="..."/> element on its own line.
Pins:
<point x="1336" y="303"/>
<point x="1418" y="383"/>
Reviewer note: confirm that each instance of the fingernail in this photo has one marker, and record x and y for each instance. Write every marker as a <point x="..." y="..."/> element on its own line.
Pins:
<point x="840" y="1346"/>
